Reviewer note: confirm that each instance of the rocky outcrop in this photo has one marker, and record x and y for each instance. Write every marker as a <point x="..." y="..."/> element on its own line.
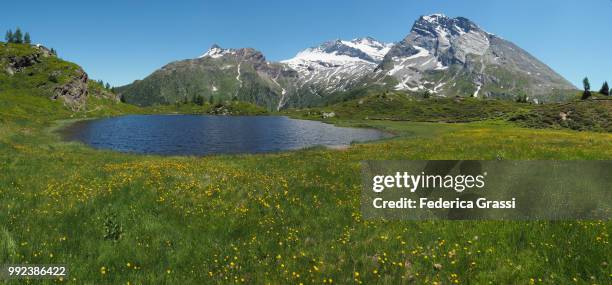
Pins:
<point x="18" y="63"/>
<point x="73" y="93"/>
<point x="44" y="51"/>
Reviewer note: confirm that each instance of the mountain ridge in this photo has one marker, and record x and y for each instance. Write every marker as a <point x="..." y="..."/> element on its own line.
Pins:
<point x="443" y="56"/>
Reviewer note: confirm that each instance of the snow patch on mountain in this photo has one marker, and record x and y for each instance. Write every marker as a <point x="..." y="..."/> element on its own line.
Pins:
<point x="340" y="51"/>
<point x="338" y="65"/>
<point x="375" y="49"/>
<point x="216" y="52"/>
<point x="317" y="55"/>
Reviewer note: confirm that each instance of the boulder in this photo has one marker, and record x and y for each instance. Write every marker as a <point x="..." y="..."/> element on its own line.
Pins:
<point x="326" y="115"/>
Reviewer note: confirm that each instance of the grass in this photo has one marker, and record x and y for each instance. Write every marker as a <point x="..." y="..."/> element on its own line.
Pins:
<point x="398" y="106"/>
<point x="581" y="115"/>
<point x="289" y="217"/>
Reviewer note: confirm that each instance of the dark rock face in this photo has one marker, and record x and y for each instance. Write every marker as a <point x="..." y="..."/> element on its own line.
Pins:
<point x="73" y="93"/>
<point x="18" y="63"/>
<point x="428" y="26"/>
<point x="402" y="49"/>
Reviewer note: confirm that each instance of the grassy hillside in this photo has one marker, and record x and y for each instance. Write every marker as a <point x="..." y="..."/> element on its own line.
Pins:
<point x="399" y="106"/>
<point x="594" y="115"/>
<point x="37" y="71"/>
<point x="582" y="115"/>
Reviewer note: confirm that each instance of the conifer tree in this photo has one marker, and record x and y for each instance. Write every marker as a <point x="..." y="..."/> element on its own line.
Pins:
<point x="199" y="100"/>
<point x="18" y="36"/>
<point x="9" y="36"/>
<point x="26" y="38"/>
<point x="605" y="89"/>
<point x="587" y="88"/>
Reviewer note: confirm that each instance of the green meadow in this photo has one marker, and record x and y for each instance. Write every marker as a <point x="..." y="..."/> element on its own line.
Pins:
<point x="290" y="217"/>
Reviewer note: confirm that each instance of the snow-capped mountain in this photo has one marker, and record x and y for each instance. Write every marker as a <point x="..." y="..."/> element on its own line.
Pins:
<point x="454" y="56"/>
<point x="445" y="56"/>
<point x="337" y="65"/>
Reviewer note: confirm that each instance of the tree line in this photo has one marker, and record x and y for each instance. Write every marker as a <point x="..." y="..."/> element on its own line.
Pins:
<point x="605" y="89"/>
<point x="17" y="37"/>
<point x="201" y="100"/>
<point x="106" y="85"/>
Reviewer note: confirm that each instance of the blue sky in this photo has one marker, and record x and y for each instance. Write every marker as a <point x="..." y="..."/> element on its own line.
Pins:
<point x="121" y="41"/>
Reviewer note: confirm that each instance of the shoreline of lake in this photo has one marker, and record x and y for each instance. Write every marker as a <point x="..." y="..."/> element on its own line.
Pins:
<point x="172" y="134"/>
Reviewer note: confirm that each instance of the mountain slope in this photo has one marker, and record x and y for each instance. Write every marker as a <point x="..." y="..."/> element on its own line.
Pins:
<point x="337" y="65"/>
<point x="220" y="74"/>
<point x="333" y="68"/>
<point x="455" y="57"/>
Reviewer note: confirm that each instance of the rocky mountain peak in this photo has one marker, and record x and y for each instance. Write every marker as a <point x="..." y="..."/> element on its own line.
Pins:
<point x="493" y="66"/>
<point x="215" y="51"/>
<point x="371" y="42"/>
<point x="448" y="40"/>
<point x="439" y="25"/>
